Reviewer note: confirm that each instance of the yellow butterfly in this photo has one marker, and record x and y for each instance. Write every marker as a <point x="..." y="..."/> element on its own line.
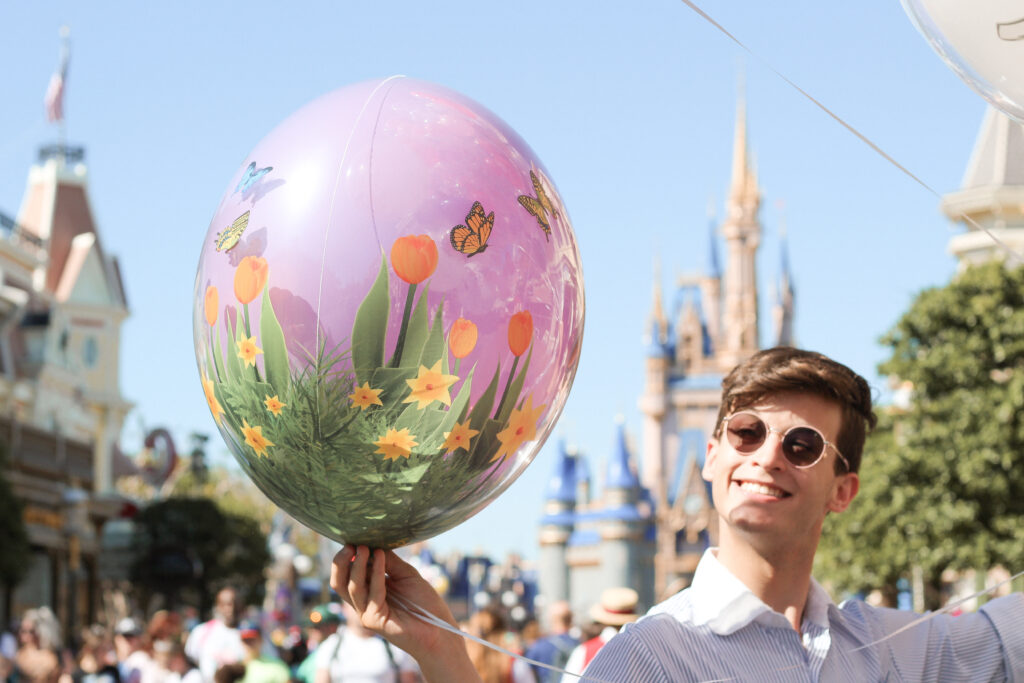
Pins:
<point x="471" y="238"/>
<point x="226" y="240"/>
<point x="540" y="206"/>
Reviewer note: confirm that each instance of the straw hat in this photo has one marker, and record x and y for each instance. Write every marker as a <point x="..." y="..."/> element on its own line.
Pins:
<point x="616" y="608"/>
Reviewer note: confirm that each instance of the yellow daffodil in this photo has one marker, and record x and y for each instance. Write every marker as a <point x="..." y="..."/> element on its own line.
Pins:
<point x="254" y="437"/>
<point x="364" y="396"/>
<point x="396" y="443"/>
<point x="430" y="385"/>
<point x="247" y="350"/>
<point x="211" y="399"/>
<point x="459" y="437"/>
<point x="274" y="405"/>
<point x="522" y="427"/>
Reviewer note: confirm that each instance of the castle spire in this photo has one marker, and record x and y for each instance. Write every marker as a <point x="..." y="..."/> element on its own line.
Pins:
<point x="782" y="312"/>
<point x="657" y="324"/>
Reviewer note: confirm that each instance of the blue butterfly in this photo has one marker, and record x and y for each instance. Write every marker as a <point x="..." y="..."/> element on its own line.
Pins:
<point x="250" y="177"/>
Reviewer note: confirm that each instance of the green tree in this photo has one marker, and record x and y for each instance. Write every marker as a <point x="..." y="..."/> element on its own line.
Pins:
<point x="943" y="480"/>
<point x="14" y="559"/>
<point x="188" y="548"/>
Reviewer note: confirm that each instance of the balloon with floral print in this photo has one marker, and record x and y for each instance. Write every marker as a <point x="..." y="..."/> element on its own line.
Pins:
<point x="384" y="336"/>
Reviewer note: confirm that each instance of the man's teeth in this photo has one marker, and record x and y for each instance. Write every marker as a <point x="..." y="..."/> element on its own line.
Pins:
<point x="754" y="487"/>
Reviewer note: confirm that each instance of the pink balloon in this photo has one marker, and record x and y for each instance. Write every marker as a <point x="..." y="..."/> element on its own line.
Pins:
<point x="387" y="215"/>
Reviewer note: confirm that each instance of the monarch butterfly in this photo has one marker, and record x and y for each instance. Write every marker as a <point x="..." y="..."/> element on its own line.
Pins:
<point x="250" y="177"/>
<point x="471" y="238"/>
<point x="229" y="238"/>
<point x="539" y="206"/>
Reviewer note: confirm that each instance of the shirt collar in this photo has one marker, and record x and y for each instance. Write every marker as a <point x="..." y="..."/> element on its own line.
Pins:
<point x="725" y="604"/>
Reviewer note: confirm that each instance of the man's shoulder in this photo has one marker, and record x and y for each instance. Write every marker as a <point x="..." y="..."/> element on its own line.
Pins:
<point x="678" y="606"/>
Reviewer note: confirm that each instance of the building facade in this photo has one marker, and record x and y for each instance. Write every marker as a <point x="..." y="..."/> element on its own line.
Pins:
<point x="62" y="304"/>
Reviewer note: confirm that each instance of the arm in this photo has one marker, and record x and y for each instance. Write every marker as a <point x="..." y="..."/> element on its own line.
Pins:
<point x="364" y="580"/>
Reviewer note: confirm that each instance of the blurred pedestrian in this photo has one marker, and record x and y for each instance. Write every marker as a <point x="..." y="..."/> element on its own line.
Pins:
<point x="216" y="642"/>
<point x="39" y="642"/>
<point x="96" y="661"/>
<point x="616" y="608"/>
<point x="354" y="653"/>
<point x="322" y="622"/>
<point x="259" y="667"/>
<point x="555" y="647"/>
<point x="492" y="665"/>
<point x="132" y="658"/>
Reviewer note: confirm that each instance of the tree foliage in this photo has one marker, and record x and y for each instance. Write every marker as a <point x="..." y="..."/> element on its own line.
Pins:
<point x="942" y="484"/>
<point x="14" y="558"/>
<point x="188" y="548"/>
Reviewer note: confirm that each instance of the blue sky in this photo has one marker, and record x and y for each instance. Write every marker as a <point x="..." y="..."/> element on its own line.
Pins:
<point x="630" y="106"/>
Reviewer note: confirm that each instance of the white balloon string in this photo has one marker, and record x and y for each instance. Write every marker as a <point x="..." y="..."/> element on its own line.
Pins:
<point x="330" y="216"/>
<point x="838" y="119"/>
<point x="423" y="615"/>
<point x="948" y="608"/>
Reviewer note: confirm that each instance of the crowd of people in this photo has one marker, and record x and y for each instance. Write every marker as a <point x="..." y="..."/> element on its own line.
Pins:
<point x="329" y="645"/>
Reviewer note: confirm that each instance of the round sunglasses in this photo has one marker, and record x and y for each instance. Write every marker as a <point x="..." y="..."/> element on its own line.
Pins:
<point x="803" y="446"/>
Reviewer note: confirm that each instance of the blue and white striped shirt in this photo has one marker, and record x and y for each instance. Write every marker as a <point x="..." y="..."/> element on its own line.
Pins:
<point x="717" y="630"/>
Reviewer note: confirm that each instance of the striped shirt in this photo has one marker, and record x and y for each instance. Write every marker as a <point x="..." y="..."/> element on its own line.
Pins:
<point x="717" y="630"/>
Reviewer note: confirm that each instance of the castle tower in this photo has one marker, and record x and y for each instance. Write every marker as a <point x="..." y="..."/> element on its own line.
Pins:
<point x="556" y="527"/>
<point x="711" y="291"/>
<point x="785" y="293"/>
<point x="991" y="194"/>
<point x="653" y="403"/>
<point x="625" y="545"/>
<point x="742" y="233"/>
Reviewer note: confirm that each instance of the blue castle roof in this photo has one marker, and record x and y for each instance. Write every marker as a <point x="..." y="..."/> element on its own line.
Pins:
<point x="562" y="486"/>
<point x="619" y="474"/>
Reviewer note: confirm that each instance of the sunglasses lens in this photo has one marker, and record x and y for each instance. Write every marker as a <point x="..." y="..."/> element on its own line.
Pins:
<point x="803" y="446"/>
<point x="745" y="432"/>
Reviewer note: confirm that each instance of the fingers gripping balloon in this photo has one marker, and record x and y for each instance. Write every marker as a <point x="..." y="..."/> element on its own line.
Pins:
<point x="388" y="311"/>
<point x="982" y="41"/>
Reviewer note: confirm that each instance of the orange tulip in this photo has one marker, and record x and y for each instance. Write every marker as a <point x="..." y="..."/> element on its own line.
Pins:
<point x="462" y="338"/>
<point x="520" y="332"/>
<point x="414" y="258"/>
<point x="210" y="305"/>
<point x="250" y="278"/>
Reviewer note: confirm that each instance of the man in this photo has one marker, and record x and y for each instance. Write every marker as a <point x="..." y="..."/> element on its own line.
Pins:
<point x="216" y="642"/>
<point x="134" y="663"/>
<point x="260" y="668"/>
<point x="354" y="653"/>
<point x="785" y="453"/>
<point x="557" y="645"/>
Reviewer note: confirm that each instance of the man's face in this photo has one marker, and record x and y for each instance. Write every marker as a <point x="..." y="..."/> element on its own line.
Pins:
<point x="227" y="607"/>
<point x="760" y="496"/>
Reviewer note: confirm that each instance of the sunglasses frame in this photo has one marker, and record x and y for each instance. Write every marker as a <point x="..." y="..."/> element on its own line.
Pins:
<point x="769" y="430"/>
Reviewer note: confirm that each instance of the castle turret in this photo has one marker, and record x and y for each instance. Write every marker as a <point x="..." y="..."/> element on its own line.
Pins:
<point x="557" y="526"/>
<point x="625" y="526"/>
<point x="785" y="293"/>
<point x="742" y="233"/>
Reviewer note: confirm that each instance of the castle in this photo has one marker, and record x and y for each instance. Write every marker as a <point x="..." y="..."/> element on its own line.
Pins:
<point x="648" y="530"/>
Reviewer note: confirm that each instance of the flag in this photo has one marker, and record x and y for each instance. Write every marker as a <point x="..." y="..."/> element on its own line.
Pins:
<point x="54" y="99"/>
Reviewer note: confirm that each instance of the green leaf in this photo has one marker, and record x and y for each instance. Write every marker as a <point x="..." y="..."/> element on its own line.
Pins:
<point x="478" y="413"/>
<point x="215" y="352"/>
<point x="514" y="390"/>
<point x="232" y="362"/>
<point x="371" y="327"/>
<point x="416" y="333"/>
<point x="275" y="353"/>
<point x="433" y="348"/>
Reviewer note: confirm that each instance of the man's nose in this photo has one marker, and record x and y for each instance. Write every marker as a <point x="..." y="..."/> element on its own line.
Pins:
<point x="770" y="455"/>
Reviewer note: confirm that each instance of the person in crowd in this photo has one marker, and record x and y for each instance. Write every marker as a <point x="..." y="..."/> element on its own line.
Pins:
<point x="556" y="645"/>
<point x="322" y="622"/>
<point x="216" y="642"/>
<point x="132" y="657"/>
<point x="785" y="453"/>
<point x="39" y="642"/>
<point x="494" y="666"/>
<point x="260" y="667"/>
<point x="96" y="661"/>
<point x="616" y="608"/>
<point x="354" y="653"/>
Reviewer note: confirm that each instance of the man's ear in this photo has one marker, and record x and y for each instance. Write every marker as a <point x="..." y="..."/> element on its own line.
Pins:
<point x="844" y="490"/>
<point x="707" y="472"/>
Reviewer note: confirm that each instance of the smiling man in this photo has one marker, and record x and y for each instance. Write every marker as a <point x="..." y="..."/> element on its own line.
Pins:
<point x="784" y="454"/>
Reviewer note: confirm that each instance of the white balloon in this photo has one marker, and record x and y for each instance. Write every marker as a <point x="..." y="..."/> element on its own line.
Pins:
<point x="982" y="41"/>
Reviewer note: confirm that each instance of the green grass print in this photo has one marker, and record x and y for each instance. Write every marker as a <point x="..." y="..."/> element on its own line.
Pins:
<point x="322" y="467"/>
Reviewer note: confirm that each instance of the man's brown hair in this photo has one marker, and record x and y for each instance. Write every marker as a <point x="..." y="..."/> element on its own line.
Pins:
<point x="784" y="369"/>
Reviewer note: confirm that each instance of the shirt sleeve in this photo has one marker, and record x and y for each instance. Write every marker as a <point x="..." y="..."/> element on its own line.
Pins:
<point x="987" y="645"/>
